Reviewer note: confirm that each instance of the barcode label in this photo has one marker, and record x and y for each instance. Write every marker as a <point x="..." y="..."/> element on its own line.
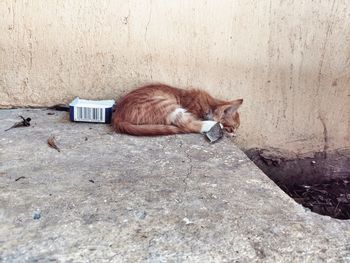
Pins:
<point x="89" y="114"/>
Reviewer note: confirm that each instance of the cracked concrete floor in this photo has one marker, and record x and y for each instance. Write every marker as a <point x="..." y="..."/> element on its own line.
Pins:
<point x="115" y="198"/>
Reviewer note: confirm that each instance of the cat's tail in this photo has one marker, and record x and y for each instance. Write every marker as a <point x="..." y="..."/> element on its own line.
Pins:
<point x="146" y="129"/>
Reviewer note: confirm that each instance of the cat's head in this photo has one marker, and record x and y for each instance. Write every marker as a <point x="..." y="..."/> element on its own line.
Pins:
<point x="228" y="115"/>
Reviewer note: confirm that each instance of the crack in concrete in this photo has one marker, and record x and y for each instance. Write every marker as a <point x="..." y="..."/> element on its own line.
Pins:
<point x="324" y="46"/>
<point x="149" y="19"/>
<point x="112" y="257"/>
<point x="325" y="137"/>
<point x="190" y="169"/>
<point x="149" y="58"/>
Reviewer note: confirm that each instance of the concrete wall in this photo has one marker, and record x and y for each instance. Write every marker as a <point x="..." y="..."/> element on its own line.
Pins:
<point x="289" y="60"/>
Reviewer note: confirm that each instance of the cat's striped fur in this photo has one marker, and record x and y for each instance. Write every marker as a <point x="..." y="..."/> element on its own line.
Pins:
<point x="163" y="110"/>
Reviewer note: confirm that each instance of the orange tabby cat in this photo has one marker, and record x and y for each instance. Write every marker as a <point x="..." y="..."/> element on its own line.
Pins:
<point x="162" y="110"/>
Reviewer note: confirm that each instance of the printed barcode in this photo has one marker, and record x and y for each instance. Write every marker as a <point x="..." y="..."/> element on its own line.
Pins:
<point x="90" y="114"/>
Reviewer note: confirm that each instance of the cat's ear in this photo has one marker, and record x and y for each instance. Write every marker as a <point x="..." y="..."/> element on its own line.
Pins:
<point x="230" y="107"/>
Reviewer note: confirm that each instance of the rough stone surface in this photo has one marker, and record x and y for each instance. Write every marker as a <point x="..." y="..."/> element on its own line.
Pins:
<point x="115" y="198"/>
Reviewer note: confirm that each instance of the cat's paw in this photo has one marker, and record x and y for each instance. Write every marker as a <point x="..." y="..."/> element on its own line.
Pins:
<point x="207" y="125"/>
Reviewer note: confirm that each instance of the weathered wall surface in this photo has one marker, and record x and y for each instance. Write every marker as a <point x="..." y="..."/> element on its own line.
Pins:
<point x="289" y="60"/>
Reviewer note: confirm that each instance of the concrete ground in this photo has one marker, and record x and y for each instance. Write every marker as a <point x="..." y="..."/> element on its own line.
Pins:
<point x="115" y="198"/>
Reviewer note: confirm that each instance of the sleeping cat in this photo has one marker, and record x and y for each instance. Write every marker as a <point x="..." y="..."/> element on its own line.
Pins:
<point x="163" y="110"/>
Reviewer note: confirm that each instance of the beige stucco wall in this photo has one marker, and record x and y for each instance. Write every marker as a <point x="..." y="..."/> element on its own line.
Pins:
<point x="289" y="60"/>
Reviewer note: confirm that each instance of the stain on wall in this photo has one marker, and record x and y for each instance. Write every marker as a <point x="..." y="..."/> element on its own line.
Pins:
<point x="289" y="60"/>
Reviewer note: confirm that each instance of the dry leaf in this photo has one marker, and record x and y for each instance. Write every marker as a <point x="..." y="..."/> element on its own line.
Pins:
<point x="52" y="144"/>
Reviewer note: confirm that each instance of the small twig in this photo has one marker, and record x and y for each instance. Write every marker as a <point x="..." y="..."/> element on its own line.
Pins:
<point x="19" y="178"/>
<point x="335" y="209"/>
<point x="23" y="123"/>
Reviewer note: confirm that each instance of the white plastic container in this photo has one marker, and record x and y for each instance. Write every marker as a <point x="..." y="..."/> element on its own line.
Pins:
<point x="99" y="111"/>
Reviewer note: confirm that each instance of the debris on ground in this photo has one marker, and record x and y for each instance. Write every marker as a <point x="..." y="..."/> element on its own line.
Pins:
<point x="91" y="181"/>
<point x="330" y="198"/>
<point x="141" y="214"/>
<point x="24" y="123"/>
<point x="51" y="142"/>
<point x="19" y="178"/>
<point x="37" y="214"/>
<point x="187" y="221"/>
<point x="215" y="133"/>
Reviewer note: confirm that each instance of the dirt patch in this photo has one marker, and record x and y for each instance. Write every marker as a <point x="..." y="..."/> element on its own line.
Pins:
<point x="318" y="181"/>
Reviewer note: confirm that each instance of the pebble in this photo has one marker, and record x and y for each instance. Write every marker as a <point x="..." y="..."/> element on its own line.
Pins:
<point x="187" y="221"/>
<point x="141" y="214"/>
<point x="37" y="215"/>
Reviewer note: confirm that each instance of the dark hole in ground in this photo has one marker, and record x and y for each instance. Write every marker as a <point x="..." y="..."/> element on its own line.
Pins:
<point x="320" y="183"/>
